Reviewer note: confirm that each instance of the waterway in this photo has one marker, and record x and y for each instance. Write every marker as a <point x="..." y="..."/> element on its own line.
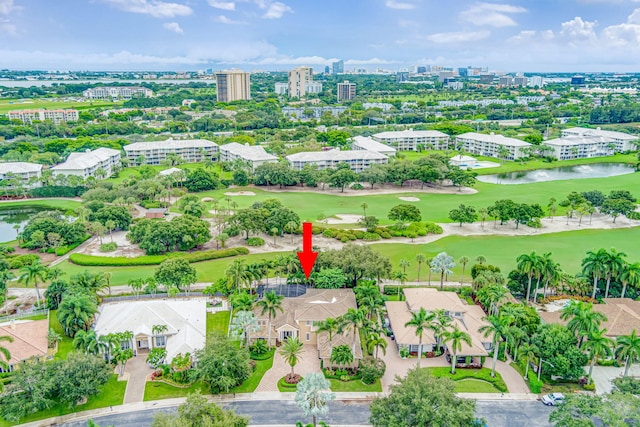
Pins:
<point x="596" y="170"/>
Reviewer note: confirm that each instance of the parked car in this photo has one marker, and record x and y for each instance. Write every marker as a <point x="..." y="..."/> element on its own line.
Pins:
<point x="553" y="399"/>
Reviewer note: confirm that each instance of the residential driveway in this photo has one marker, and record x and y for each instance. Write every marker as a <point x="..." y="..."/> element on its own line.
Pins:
<point x="514" y="381"/>
<point x="138" y="369"/>
<point x="308" y="363"/>
<point x="602" y="376"/>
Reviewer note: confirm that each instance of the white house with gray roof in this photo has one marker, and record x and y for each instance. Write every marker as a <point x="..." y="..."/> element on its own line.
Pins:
<point x="254" y="155"/>
<point x="490" y="145"/>
<point x="582" y="143"/>
<point x="358" y="160"/>
<point x="412" y="140"/>
<point x="154" y="152"/>
<point x="370" y="144"/>
<point x="86" y="164"/>
<point x="24" y="171"/>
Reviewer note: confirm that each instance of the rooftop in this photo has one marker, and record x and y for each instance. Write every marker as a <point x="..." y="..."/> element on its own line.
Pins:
<point x="87" y="159"/>
<point x="29" y="339"/>
<point x="19" y="167"/>
<point x="494" y="138"/>
<point x="248" y="152"/>
<point x="603" y="133"/>
<point x="371" y="144"/>
<point x="410" y="133"/>
<point x="576" y="140"/>
<point x="335" y="155"/>
<point x="170" y="144"/>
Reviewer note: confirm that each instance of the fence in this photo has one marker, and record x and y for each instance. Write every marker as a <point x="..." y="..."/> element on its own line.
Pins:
<point x="152" y="296"/>
<point x="25" y="314"/>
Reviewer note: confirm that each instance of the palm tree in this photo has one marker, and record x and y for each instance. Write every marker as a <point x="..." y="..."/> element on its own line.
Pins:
<point x="377" y="342"/>
<point x="404" y="263"/>
<point x="243" y="324"/>
<point x="420" y="258"/>
<point x="630" y="275"/>
<point x="401" y="278"/>
<point x="270" y="304"/>
<point x="528" y="264"/>
<point x="595" y="264"/>
<point x="331" y="326"/>
<point x="291" y="351"/>
<point x="88" y="342"/>
<point x="4" y="353"/>
<point x="342" y="356"/>
<point x="442" y="263"/>
<point x="32" y="273"/>
<point x="364" y="207"/>
<point x="464" y="261"/>
<point x="628" y="348"/>
<point x="158" y="330"/>
<point x="497" y="327"/>
<point x="582" y="319"/>
<point x="528" y="351"/>
<point x="440" y="325"/>
<point x="456" y="337"/>
<point x="312" y="395"/>
<point x="420" y="320"/>
<point x="76" y="313"/>
<point x="614" y="262"/>
<point x="356" y="319"/>
<point x="481" y="259"/>
<point x="237" y="274"/>
<point x="597" y="344"/>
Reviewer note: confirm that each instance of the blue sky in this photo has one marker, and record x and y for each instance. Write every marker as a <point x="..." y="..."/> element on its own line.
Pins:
<point x="516" y="35"/>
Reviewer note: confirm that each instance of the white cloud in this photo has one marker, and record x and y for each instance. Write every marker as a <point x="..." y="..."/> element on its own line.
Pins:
<point x="393" y="4"/>
<point x="458" y="37"/>
<point x="371" y="61"/>
<point x="173" y="26"/>
<point x="155" y="8"/>
<point x="634" y="18"/>
<point x="276" y="10"/>
<point x="224" y="5"/>
<point x="578" y="29"/>
<point x="222" y="19"/>
<point x="491" y="14"/>
<point x="6" y="7"/>
<point x="6" y="26"/>
<point x="626" y="34"/>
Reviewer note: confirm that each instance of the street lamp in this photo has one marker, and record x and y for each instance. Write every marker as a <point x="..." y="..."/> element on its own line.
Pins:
<point x="540" y="367"/>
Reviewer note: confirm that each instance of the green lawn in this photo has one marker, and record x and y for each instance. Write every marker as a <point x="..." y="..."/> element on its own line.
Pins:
<point x="62" y="204"/>
<point x="65" y="345"/>
<point x="218" y="322"/>
<point x="250" y="385"/>
<point x="475" y="386"/>
<point x="156" y="390"/>
<point x="483" y="374"/>
<point x="356" y="385"/>
<point x="112" y="394"/>
<point x="7" y="105"/>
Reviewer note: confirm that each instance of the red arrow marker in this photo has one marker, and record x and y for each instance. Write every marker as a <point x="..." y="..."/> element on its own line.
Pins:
<point x="307" y="256"/>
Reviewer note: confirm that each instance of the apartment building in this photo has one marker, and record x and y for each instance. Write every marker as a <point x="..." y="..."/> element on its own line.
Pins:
<point x="117" y="92"/>
<point x="346" y="91"/>
<point x="56" y="116"/>
<point x="281" y="88"/>
<point x="299" y="78"/>
<point x="190" y="150"/>
<point x="234" y="85"/>
<point x="314" y="87"/>
<point x="410" y="140"/>
<point x="358" y="160"/>
<point x="86" y="164"/>
<point x="370" y="144"/>
<point x="255" y="155"/>
<point x="27" y="173"/>
<point x="622" y="141"/>
<point x="491" y="145"/>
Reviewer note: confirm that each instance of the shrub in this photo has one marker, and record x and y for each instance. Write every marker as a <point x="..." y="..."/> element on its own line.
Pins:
<point x="589" y="387"/>
<point x="371" y="369"/>
<point x="232" y="231"/>
<point x="357" y="186"/>
<point x="108" y="247"/>
<point x="608" y="362"/>
<point x="385" y="235"/>
<point x="258" y="348"/>
<point x="315" y="230"/>
<point x="344" y="239"/>
<point x="282" y="383"/>
<point x="627" y="385"/>
<point x="359" y="234"/>
<point x="535" y="385"/>
<point x="19" y="261"/>
<point x="433" y="228"/>
<point x="255" y="241"/>
<point x="98" y="261"/>
<point x="330" y="233"/>
<point x="4" y="249"/>
<point x="371" y="237"/>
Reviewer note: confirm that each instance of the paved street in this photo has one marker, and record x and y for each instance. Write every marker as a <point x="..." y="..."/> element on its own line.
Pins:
<point x="514" y="413"/>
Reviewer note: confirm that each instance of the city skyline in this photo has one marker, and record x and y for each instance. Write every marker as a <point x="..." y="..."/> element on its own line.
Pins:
<point x="134" y="35"/>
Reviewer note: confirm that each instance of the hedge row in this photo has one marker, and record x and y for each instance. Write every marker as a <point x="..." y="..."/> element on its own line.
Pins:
<point x="98" y="261"/>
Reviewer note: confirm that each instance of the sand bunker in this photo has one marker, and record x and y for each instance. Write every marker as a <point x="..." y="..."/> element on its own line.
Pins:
<point x="207" y="199"/>
<point x="344" y="219"/>
<point x="240" y="193"/>
<point x="409" y="199"/>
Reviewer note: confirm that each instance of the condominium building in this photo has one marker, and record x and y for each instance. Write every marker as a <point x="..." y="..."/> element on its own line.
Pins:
<point x="299" y="78"/>
<point x="56" y="116"/>
<point x="505" y="81"/>
<point x="536" y="81"/>
<point x="255" y="155"/>
<point x="581" y="143"/>
<point x="234" y="85"/>
<point x="622" y="141"/>
<point x="370" y="144"/>
<point x="491" y="145"/>
<point x="27" y="173"/>
<point x="86" y="164"/>
<point x="346" y="91"/>
<point x="411" y="140"/>
<point x="520" y="81"/>
<point x="190" y="150"/>
<point x="358" y="160"/>
<point x="281" y="88"/>
<point x="314" y="87"/>
<point x="117" y="92"/>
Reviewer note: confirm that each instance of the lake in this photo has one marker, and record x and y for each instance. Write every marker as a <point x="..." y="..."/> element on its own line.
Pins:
<point x="11" y="216"/>
<point x="596" y="170"/>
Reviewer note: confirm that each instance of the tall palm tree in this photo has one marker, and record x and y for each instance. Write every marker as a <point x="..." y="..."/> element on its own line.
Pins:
<point x="497" y="328"/>
<point x="364" y="207"/>
<point x="597" y="344"/>
<point x="543" y="268"/>
<point x="237" y="274"/>
<point x="420" y="320"/>
<point x="582" y="320"/>
<point x="481" y="259"/>
<point x="356" y="319"/>
<point x="528" y="264"/>
<point x="158" y="330"/>
<point x="404" y="263"/>
<point x="595" y="264"/>
<point x="456" y="337"/>
<point x="4" y="352"/>
<point x="440" y="325"/>
<point x="88" y="342"/>
<point x="442" y="263"/>
<point x="401" y="278"/>
<point x="329" y="325"/>
<point x="614" y="262"/>
<point x="628" y="348"/>
<point x="630" y="276"/>
<point x="76" y="312"/>
<point x="463" y="261"/>
<point x="269" y="305"/>
<point x="291" y="351"/>
<point x="420" y="259"/>
<point x="528" y="351"/>
<point x="377" y="342"/>
<point x="31" y="274"/>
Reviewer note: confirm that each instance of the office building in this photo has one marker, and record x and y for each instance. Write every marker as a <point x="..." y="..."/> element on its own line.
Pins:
<point x="370" y="144"/>
<point x="154" y="152"/>
<point x="254" y="155"/>
<point x="486" y="79"/>
<point x="337" y="67"/>
<point x="327" y="70"/>
<point x="86" y="164"/>
<point x="421" y="70"/>
<point x="445" y="76"/>
<point x="298" y="79"/>
<point x="412" y="140"/>
<point x="492" y="145"/>
<point x="346" y="91"/>
<point x="234" y="85"/>
<point x="28" y="173"/>
<point x="358" y="160"/>
<point x="577" y="80"/>
<point x="520" y="81"/>
<point x="117" y="92"/>
<point x="505" y="81"/>
<point x="402" y="76"/>
<point x="56" y="116"/>
<point x="281" y="88"/>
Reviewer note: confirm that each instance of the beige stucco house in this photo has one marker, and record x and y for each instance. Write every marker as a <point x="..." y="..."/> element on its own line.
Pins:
<point x="29" y="341"/>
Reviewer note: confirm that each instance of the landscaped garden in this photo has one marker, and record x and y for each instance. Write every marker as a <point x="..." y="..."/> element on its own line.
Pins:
<point x="470" y="380"/>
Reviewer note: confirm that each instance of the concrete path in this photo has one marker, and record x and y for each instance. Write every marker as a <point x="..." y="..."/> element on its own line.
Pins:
<point x="138" y="369"/>
<point x="514" y="381"/>
<point x="73" y="251"/>
<point x="602" y="376"/>
<point x="307" y="364"/>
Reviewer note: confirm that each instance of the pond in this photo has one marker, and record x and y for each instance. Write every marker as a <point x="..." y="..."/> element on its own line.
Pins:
<point x="10" y="217"/>
<point x="596" y="170"/>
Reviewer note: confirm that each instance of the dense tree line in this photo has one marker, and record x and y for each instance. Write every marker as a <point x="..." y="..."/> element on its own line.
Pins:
<point x="265" y="217"/>
<point x="182" y="233"/>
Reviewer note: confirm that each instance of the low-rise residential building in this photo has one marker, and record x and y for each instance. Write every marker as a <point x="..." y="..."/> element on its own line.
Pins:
<point x="299" y="318"/>
<point x="29" y="341"/>
<point x="254" y="155"/>
<point x="56" y="116"/>
<point x="492" y="145"/>
<point x="117" y="92"/>
<point x="190" y="150"/>
<point x="581" y="143"/>
<point x="412" y="140"/>
<point x="185" y="322"/>
<point x="311" y="112"/>
<point x="468" y="318"/>
<point x="88" y="163"/>
<point x="28" y="173"/>
<point x="358" y="160"/>
<point x="370" y="144"/>
<point x="622" y="141"/>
